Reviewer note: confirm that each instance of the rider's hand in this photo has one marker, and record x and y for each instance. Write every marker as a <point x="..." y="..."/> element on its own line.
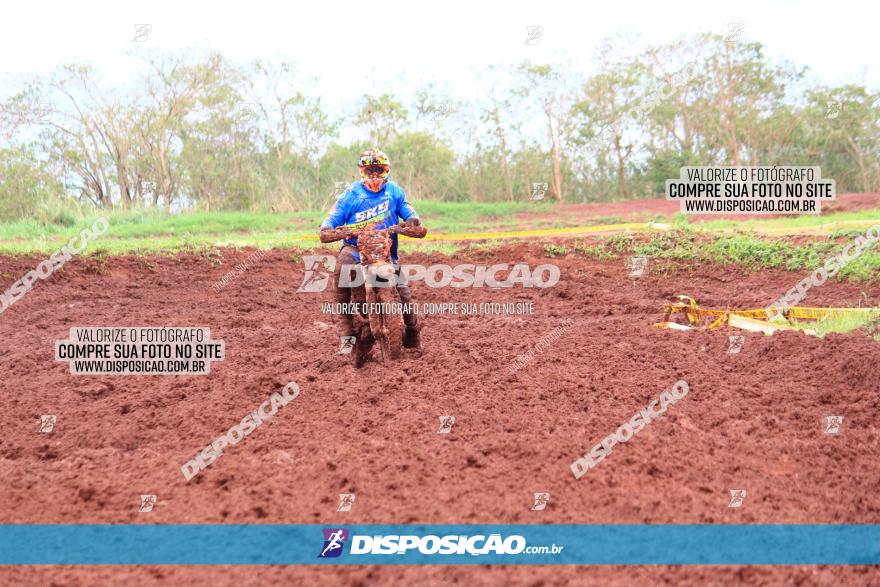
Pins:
<point x="413" y="228"/>
<point x="329" y="235"/>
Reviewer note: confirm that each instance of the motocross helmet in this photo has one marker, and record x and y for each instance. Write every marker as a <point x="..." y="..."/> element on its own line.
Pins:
<point x="375" y="167"/>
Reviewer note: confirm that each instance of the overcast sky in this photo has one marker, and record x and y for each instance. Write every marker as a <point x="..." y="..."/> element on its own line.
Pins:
<point x="444" y="41"/>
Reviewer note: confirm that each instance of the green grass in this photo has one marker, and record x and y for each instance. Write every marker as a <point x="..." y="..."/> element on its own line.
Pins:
<point x="155" y="231"/>
<point x="869" y="321"/>
<point x="596" y="252"/>
<point x="723" y="241"/>
<point x="453" y="217"/>
<point x="552" y="250"/>
<point x="852" y="224"/>
<point x="749" y="251"/>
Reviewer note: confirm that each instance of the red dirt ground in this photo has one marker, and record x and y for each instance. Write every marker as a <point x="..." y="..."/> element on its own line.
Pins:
<point x="751" y="421"/>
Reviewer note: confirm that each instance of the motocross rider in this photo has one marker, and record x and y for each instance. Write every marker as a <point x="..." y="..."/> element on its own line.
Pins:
<point x="373" y="198"/>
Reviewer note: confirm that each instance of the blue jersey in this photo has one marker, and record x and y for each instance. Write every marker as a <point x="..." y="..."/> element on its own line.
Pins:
<point x="358" y="205"/>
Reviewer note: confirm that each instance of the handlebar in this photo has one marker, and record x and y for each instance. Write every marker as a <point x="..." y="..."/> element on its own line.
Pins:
<point x="334" y="234"/>
<point x="408" y="230"/>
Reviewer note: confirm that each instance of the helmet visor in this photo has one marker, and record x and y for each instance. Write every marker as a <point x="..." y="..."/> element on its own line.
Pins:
<point x="376" y="171"/>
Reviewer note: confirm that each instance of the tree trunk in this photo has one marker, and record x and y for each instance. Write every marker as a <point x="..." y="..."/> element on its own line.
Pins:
<point x="124" y="189"/>
<point x="554" y="156"/>
<point x="861" y="161"/>
<point x="731" y="112"/>
<point x="508" y="182"/>
<point x="621" y="167"/>
<point x="505" y="166"/>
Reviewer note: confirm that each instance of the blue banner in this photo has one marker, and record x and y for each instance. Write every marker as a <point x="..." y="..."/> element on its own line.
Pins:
<point x="297" y="544"/>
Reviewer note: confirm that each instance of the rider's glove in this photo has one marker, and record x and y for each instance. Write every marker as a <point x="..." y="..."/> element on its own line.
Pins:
<point x="329" y="235"/>
<point x="413" y="228"/>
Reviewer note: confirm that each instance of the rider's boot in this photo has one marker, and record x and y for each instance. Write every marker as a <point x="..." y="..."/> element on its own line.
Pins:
<point x="412" y="339"/>
<point x="411" y="336"/>
<point x="362" y="349"/>
<point x="344" y="320"/>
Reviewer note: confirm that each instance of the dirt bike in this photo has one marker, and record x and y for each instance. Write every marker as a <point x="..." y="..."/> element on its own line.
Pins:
<point x="379" y="317"/>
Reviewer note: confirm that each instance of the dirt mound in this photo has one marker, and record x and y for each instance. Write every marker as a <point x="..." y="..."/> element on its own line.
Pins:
<point x="752" y="420"/>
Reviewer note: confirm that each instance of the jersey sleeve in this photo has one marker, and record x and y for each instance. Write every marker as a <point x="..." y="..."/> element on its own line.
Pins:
<point x="338" y="213"/>
<point x="404" y="208"/>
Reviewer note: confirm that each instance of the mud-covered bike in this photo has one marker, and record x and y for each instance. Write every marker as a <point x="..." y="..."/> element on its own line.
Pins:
<point x="379" y="311"/>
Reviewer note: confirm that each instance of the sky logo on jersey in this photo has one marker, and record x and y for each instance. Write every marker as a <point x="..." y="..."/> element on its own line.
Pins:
<point x="373" y="212"/>
<point x="334" y="540"/>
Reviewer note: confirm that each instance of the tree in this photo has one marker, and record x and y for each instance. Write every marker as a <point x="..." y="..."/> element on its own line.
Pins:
<point x="605" y="113"/>
<point x="175" y="90"/>
<point x="545" y="86"/>
<point x="844" y="126"/>
<point x="294" y="128"/>
<point x="28" y="189"/>
<point x="383" y="116"/>
<point x="425" y="166"/>
<point x="78" y="130"/>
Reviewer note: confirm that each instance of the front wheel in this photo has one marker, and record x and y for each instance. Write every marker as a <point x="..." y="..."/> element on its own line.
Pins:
<point x="390" y="335"/>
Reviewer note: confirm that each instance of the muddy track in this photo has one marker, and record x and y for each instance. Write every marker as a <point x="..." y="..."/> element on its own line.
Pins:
<point x="752" y="420"/>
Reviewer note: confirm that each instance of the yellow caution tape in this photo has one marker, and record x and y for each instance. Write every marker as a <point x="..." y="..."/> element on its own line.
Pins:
<point x="571" y="230"/>
<point x="598" y="229"/>
<point x="756" y="319"/>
